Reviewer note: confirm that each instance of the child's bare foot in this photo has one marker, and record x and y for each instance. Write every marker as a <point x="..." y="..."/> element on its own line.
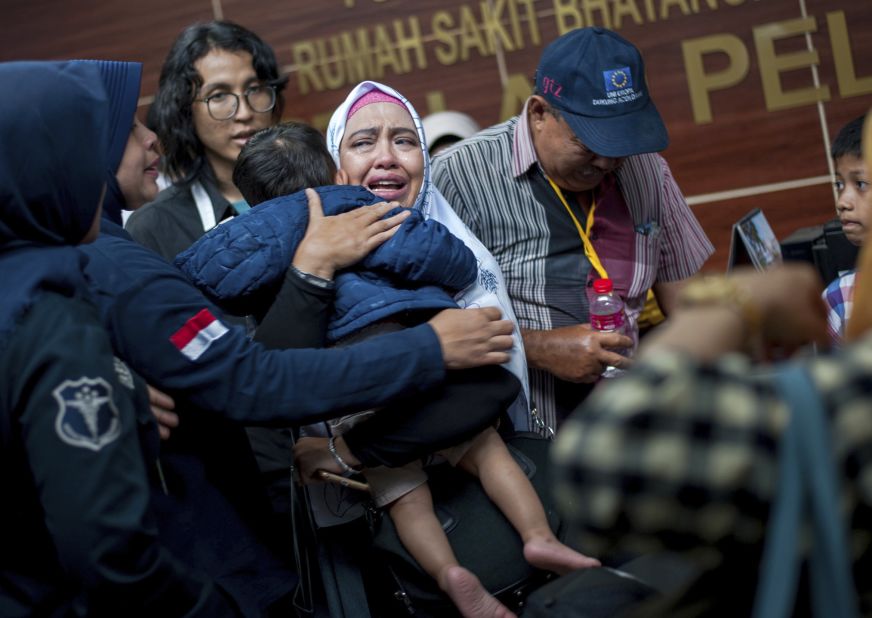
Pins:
<point x="550" y="554"/>
<point x="469" y="596"/>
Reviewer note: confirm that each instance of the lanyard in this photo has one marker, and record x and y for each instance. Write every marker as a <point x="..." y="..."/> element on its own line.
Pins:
<point x="582" y="232"/>
<point x="204" y="206"/>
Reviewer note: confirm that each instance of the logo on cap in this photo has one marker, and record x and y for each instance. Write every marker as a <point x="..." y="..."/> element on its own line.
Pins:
<point x="549" y="86"/>
<point x="618" y="79"/>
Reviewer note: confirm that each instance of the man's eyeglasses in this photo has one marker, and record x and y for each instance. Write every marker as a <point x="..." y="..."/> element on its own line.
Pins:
<point x="224" y="105"/>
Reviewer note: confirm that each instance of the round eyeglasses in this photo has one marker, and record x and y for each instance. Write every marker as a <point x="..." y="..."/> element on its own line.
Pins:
<point x="224" y="105"/>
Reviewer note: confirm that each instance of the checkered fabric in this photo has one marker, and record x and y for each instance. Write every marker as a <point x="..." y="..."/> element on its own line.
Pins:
<point x="839" y="297"/>
<point x="680" y="456"/>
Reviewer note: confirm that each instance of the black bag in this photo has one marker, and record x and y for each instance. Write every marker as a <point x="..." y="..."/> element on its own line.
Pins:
<point x="482" y="538"/>
<point x="636" y="588"/>
<point x="588" y="593"/>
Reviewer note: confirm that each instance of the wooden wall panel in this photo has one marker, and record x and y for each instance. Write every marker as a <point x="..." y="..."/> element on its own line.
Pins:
<point x="787" y="211"/>
<point x="749" y="145"/>
<point x="119" y="30"/>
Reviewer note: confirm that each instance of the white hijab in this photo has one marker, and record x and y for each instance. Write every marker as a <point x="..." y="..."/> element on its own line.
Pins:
<point x="489" y="290"/>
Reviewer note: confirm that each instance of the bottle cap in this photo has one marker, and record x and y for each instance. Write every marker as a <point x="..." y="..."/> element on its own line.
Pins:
<point x="602" y="286"/>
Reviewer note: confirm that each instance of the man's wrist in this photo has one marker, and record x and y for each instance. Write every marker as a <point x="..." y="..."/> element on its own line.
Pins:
<point x="534" y="345"/>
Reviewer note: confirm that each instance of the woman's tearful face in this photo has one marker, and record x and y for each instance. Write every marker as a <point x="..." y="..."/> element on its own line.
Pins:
<point x="381" y="151"/>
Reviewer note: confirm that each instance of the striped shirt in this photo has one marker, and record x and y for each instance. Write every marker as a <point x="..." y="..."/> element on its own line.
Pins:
<point x="644" y="232"/>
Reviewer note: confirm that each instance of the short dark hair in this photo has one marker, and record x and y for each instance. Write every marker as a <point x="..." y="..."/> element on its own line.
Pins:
<point x="281" y="160"/>
<point x="170" y="115"/>
<point x="849" y="140"/>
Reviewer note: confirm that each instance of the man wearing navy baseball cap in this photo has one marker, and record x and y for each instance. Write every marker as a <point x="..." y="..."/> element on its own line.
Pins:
<point x="596" y="80"/>
<point x="572" y="190"/>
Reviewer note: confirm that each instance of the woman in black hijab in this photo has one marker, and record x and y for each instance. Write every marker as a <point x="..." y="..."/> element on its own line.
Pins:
<point x="78" y="534"/>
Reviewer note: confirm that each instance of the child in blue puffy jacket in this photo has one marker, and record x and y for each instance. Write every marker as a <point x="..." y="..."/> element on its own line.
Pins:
<point x="403" y="282"/>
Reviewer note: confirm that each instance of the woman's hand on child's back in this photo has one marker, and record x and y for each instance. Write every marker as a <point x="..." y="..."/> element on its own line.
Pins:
<point x="473" y="337"/>
<point x="334" y="243"/>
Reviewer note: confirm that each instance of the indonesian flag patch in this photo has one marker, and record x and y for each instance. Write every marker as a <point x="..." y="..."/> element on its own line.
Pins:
<point x="197" y="334"/>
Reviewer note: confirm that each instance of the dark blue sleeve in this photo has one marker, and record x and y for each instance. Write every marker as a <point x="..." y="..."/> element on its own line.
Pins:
<point x="91" y="476"/>
<point x="238" y="258"/>
<point x="153" y="314"/>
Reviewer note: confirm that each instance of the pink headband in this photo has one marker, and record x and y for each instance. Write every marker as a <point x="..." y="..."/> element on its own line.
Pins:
<point x="373" y="96"/>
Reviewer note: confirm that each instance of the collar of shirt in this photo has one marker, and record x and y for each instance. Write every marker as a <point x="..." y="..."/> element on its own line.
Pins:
<point x="523" y="151"/>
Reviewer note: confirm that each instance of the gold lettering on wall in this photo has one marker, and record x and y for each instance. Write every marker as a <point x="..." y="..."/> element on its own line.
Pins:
<point x="470" y="35"/>
<point x="332" y="72"/>
<point x="306" y="61"/>
<point x="571" y="14"/>
<point x="773" y="64"/>
<point x="529" y="17"/>
<point x="712" y="4"/>
<point x="435" y="102"/>
<point x="701" y="83"/>
<point x="532" y="21"/>
<point x="666" y="6"/>
<point x="446" y="46"/>
<point x="355" y="49"/>
<point x="626" y="8"/>
<point x="491" y="18"/>
<point x="601" y="7"/>
<point x="351" y="56"/>
<point x="849" y="84"/>
<point x="465" y="30"/>
<point x="515" y="93"/>
<point x="412" y="42"/>
<point x="567" y="16"/>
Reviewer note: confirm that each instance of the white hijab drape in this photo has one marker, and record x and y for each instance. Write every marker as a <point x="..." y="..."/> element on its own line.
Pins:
<point x="489" y="290"/>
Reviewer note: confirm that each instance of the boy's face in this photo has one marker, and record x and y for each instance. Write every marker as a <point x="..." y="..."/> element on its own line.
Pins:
<point x="853" y="206"/>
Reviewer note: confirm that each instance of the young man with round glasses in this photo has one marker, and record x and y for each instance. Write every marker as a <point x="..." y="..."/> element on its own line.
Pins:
<point x="218" y="86"/>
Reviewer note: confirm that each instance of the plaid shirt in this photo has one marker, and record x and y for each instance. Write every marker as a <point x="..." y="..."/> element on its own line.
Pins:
<point x="684" y="457"/>
<point x="839" y="297"/>
<point x="644" y="232"/>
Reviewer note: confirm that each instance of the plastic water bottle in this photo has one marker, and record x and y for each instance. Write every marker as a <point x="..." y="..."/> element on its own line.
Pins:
<point x="607" y="316"/>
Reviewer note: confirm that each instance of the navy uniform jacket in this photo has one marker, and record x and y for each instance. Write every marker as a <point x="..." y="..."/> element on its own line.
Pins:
<point x="78" y="448"/>
<point x="170" y="334"/>
<point x="214" y="515"/>
<point x="77" y="441"/>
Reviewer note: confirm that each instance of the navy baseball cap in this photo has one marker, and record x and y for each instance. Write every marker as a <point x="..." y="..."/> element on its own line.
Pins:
<point x="596" y="79"/>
